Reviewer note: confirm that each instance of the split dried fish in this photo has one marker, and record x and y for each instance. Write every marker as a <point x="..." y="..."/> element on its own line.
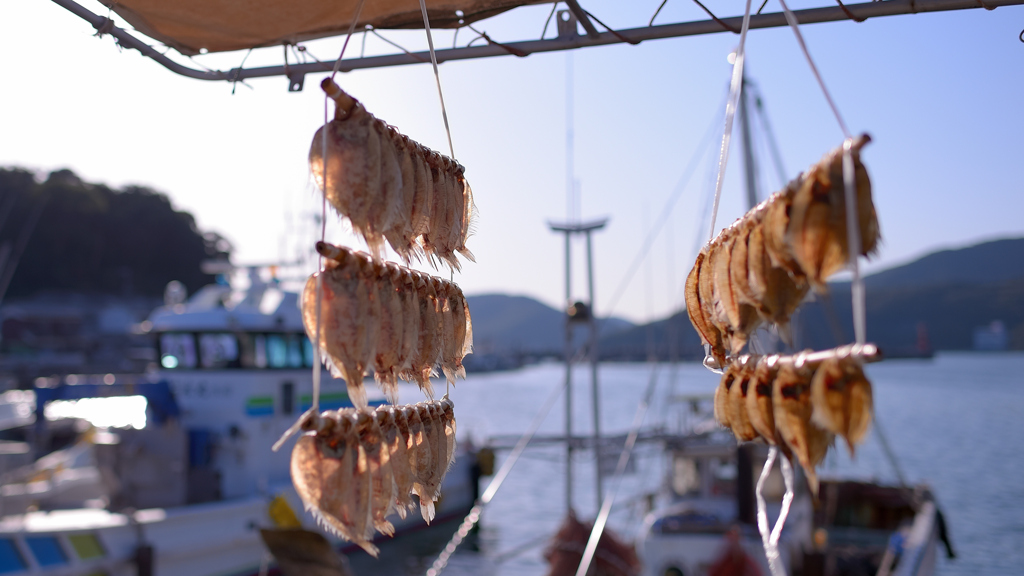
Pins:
<point x="352" y="468"/>
<point x="795" y="403"/>
<point x="760" y="268"/>
<point x="391" y="188"/>
<point x="842" y="399"/>
<point x="394" y="320"/>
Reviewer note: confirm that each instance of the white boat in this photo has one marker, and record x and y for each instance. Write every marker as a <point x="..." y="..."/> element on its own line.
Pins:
<point x="855" y="527"/>
<point x="188" y="492"/>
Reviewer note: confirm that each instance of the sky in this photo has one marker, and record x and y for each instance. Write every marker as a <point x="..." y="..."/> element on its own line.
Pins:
<point x="940" y="95"/>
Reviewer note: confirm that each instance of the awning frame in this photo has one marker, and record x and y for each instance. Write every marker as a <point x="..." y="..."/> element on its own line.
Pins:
<point x="568" y="37"/>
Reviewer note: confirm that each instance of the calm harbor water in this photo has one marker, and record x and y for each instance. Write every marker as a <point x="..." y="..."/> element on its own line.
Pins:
<point x="953" y="422"/>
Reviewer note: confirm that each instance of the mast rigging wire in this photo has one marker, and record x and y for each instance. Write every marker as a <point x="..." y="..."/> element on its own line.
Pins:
<point x="620" y="468"/>
<point x="506" y="467"/>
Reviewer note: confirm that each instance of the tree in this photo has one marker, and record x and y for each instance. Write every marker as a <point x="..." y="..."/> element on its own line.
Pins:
<point x="93" y="239"/>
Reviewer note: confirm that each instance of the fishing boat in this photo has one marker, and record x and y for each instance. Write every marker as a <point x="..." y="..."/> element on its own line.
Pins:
<point x="855" y="527"/>
<point x="192" y="485"/>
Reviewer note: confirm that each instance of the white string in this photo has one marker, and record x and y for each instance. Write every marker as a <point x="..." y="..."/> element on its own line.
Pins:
<point x="506" y="467"/>
<point x="854" y="244"/>
<point x="437" y="76"/>
<point x="849" y="181"/>
<point x="770" y="539"/>
<point x="791" y="19"/>
<point x="620" y="469"/>
<point x="314" y="409"/>
<point x="730" y="113"/>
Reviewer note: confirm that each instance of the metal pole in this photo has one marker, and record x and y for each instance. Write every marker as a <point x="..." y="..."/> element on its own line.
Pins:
<point x="594" y="392"/>
<point x="749" y="168"/>
<point x="568" y="373"/>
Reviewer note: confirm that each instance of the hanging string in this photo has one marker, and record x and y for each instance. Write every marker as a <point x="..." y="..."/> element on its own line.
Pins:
<point x="437" y="76"/>
<point x="730" y="115"/>
<point x="791" y="19"/>
<point x="857" y="294"/>
<point x="474" y="513"/>
<point x="620" y="469"/>
<point x="770" y="538"/>
<point x="314" y="409"/>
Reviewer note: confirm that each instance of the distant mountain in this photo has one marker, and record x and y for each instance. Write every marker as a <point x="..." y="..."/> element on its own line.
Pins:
<point x="504" y="324"/>
<point x="985" y="263"/>
<point x="940" y="298"/>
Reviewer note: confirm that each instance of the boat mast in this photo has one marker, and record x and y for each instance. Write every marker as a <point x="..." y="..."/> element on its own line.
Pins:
<point x="749" y="168"/>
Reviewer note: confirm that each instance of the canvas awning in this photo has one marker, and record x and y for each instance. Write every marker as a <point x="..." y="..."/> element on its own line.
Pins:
<point x="191" y="26"/>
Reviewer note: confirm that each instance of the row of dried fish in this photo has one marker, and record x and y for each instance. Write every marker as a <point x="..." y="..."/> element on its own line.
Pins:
<point x="796" y="404"/>
<point x="355" y="467"/>
<point x="760" y="268"/>
<point x="391" y="187"/>
<point x="399" y="322"/>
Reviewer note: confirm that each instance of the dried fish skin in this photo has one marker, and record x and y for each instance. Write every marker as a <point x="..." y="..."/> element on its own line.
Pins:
<point x="448" y="415"/>
<point x="449" y="355"/>
<point x="434" y="239"/>
<point x="817" y="230"/>
<point x="841" y="397"/>
<point x="779" y="294"/>
<point x="467" y="343"/>
<point x="390" y="334"/>
<point x="468" y="215"/>
<point x="736" y="405"/>
<point x="410" y="319"/>
<point x="395" y="426"/>
<point x="738" y="266"/>
<point x="791" y="401"/>
<point x="722" y="412"/>
<point x="759" y="400"/>
<point x="378" y="459"/>
<point x="399" y="229"/>
<point x="775" y="229"/>
<point x="423" y="200"/>
<point x="341" y="333"/>
<point x="422" y="460"/>
<point x="460" y="325"/>
<point x="706" y="299"/>
<point x="347" y="159"/>
<point x="695" y="310"/>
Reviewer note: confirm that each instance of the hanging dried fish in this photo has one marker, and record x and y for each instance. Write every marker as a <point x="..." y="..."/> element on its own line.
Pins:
<point x="791" y="401"/>
<point x="355" y="467"/>
<point x="391" y="188"/>
<point x="842" y="399"/>
<point x="760" y="268"/>
<point x="798" y="403"/>
<point x="385" y="317"/>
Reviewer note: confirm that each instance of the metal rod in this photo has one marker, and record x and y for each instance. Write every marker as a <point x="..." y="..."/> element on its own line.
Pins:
<point x="695" y="28"/>
<point x="568" y="372"/>
<point x="865" y="352"/>
<point x="581" y="15"/>
<point x="594" y="388"/>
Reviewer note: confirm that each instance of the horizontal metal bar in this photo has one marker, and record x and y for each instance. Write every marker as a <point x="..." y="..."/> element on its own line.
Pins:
<point x="773" y="20"/>
<point x="106" y="26"/>
<point x="696" y="28"/>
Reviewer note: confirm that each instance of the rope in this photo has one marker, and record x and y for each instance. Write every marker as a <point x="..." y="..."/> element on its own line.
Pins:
<point x="314" y="409"/>
<point x="474" y="513"/>
<point x="437" y="75"/>
<point x="770" y="538"/>
<point x="730" y="115"/>
<point x="620" y="468"/>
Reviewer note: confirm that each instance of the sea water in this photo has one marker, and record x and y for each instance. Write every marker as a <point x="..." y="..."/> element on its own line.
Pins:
<point x="955" y="422"/>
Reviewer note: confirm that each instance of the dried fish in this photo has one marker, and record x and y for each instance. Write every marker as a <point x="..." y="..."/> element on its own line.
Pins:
<point x="791" y="401"/>
<point x="736" y="404"/>
<point x="385" y="317"/>
<point x="842" y="399"/>
<point x="355" y="467"/>
<point x="391" y="188"/>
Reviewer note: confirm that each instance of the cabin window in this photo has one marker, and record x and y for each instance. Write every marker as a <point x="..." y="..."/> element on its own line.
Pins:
<point x="287" y="398"/>
<point x="260" y="352"/>
<point x="294" y="351"/>
<point x="277" y="351"/>
<point x="685" y="476"/>
<point x="177" y="350"/>
<point x="47" y="550"/>
<point x="218" y="350"/>
<point x="10" y="559"/>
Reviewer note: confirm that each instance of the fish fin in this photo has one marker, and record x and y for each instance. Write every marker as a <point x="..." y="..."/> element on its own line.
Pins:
<point x="427" y="510"/>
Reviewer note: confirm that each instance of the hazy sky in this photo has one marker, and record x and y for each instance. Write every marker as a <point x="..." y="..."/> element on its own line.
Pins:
<point x="940" y="94"/>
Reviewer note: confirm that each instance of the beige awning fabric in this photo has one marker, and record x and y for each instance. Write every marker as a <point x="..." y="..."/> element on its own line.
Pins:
<point x="190" y="26"/>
